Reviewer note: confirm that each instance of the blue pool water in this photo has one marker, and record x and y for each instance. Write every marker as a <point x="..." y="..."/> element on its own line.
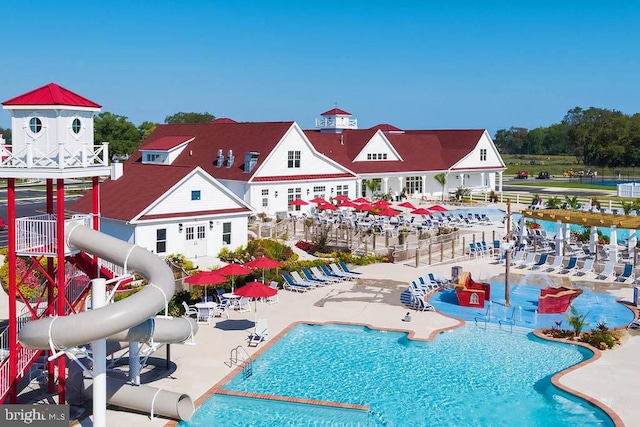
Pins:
<point x="466" y="377"/>
<point x="552" y="228"/>
<point x="598" y="307"/>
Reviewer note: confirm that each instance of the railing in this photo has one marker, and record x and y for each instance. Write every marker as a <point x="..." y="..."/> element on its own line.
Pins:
<point x="240" y="356"/>
<point x="37" y="235"/>
<point x="486" y="318"/>
<point x="60" y="158"/>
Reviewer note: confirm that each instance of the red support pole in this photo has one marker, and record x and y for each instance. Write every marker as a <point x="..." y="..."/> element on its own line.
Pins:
<point x="51" y="364"/>
<point x="95" y="192"/>
<point x="61" y="280"/>
<point x="13" y="311"/>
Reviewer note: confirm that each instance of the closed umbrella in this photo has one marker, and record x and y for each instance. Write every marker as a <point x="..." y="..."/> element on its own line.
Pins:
<point x="233" y="270"/>
<point x="205" y="278"/>
<point x="263" y="263"/>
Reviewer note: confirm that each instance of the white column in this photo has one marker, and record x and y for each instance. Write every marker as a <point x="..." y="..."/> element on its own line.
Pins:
<point x="613" y="244"/>
<point x="560" y="229"/>
<point x="134" y="363"/>
<point x="99" y="349"/>
<point x="358" y="188"/>
<point x="424" y="184"/>
<point x="567" y="233"/>
<point x="482" y="181"/>
<point x="462" y="180"/>
<point x="385" y="185"/>
<point x="500" y="182"/>
<point x="632" y="242"/>
<point x="593" y="239"/>
<point x="523" y="229"/>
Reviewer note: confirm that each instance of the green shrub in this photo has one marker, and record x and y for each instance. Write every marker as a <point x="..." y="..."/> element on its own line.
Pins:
<point x="601" y="337"/>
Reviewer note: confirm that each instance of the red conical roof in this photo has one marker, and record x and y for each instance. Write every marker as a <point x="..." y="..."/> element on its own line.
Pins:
<point x="52" y="94"/>
<point x="335" y="112"/>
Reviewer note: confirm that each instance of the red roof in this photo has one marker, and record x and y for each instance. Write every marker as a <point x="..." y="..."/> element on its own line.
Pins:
<point x="51" y="94"/>
<point x="224" y="120"/>
<point x="420" y="150"/>
<point x="302" y="177"/>
<point x="166" y="142"/>
<point x="385" y="127"/>
<point x="335" y="112"/>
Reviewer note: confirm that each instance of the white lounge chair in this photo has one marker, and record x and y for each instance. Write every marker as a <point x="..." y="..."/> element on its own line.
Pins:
<point x="608" y="272"/>
<point x="336" y="270"/>
<point x="517" y="258"/>
<point x="557" y="263"/>
<point x="260" y="334"/>
<point x="274" y="299"/>
<point x="587" y="268"/>
<point x="529" y="261"/>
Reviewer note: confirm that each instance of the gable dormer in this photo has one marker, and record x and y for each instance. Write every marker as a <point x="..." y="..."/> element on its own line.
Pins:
<point x="165" y="150"/>
<point x="335" y="121"/>
<point x="378" y="148"/>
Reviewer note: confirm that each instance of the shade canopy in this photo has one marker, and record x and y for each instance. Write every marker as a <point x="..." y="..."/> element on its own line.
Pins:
<point x="263" y="262"/>
<point x="381" y="204"/>
<point x="361" y="200"/>
<point x="205" y="278"/>
<point x="348" y="204"/>
<point x="341" y="198"/>
<point x="438" y="208"/>
<point x="568" y="216"/>
<point x="365" y="207"/>
<point x="407" y="205"/>
<point x="327" y="206"/>
<point x="233" y="270"/>
<point x="318" y="200"/>
<point x="388" y="212"/>
<point x="298" y="202"/>
<point x="255" y="290"/>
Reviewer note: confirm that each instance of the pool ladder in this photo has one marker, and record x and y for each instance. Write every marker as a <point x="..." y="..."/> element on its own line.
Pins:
<point x="240" y="357"/>
<point x="516" y="314"/>
<point x="486" y="318"/>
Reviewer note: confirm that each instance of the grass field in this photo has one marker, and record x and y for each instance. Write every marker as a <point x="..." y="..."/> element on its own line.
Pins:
<point x="560" y="184"/>
<point x="559" y="165"/>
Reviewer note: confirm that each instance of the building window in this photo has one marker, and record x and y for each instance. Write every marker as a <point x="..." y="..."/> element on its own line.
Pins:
<point x="473" y="299"/>
<point x="293" y="159"/>
<point x="189" y="233"/>
<point x="369" y="156"/>
<point x="161" y="240"/>
<point x="483" y="154"/>
<point x="413" y="184"/>
<point x="319" y="191"/>
<point x="153" y="157"/>
<point x="342" y="190"/>
<point x="195" y="195"/>
<point x="35" y="125"/>
<point x="76" y="126"/>
<point x="201" y="232"/>
<point x="384" y="156"/>
<point x="226" y="233"/>
<point x="292" y="194"/>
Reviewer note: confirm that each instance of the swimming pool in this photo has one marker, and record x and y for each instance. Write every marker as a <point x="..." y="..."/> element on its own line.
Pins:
<point x="598" y="307"/>
<point x="465" y="377"/>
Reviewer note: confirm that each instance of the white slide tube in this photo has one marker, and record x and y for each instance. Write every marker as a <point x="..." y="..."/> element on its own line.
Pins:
<point x="99" y="348"/>
<point x="130" y="319"/>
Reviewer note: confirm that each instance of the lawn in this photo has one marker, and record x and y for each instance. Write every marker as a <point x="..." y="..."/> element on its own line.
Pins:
<point x="557" y="166"/>
<point x="560" y="184"/>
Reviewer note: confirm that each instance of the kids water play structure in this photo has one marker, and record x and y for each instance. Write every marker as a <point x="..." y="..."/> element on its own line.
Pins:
<point x="53" y="142"/>
<point x="470" y="293"/>
<point x="556" y="299"/>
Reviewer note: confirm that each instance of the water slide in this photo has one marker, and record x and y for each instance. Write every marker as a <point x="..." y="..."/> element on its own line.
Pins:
<point x="132" y="319"/>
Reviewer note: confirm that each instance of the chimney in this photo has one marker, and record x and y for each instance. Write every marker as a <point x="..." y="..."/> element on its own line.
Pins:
<point x="116" y="170"/>
<point x="230" y="158"/>
<point x="220" y="158"/>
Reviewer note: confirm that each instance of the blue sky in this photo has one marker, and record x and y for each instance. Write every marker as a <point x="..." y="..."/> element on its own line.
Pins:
<point x="414" y="64"/>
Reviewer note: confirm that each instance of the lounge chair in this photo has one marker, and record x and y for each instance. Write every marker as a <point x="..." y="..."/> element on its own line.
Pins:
<point x="608" y="271"/>
<point x="290" y="285"/>
<point x="260" y="334"/>
<point x="321" y="275"/>
<point x="273" y="299"/>
<point x="309" y="276"/>
<point x="336" y="270"/>
<point x="300" y="281"/>
<point x="428" y="284"/>
<point x="221" y="309"/>
<point x="541" y="261"/>
<point x="571" y="265"/>
<point x="346" y="269"/>
<point x="189" y="310"/>
<point x="557" y="263"/>
<point x="327" y="271"/>
<point x="517" y="258"/>
<point x="529" y="261"/>
<point x="440" y="282"/>
<point x="626" y="274"/>
<point x="587" y="268"/>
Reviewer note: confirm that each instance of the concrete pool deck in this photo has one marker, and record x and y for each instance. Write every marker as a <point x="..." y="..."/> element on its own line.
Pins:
<point x="375" y="301"/>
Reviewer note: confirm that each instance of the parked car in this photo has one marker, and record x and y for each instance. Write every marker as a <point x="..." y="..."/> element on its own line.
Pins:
<point x="543" y="175"/>
<point x="3" y="225"/>
<point x="523" y="175"/>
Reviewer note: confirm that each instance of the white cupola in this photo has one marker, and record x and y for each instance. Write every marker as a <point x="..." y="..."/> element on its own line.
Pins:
<point x="335" y="121"/>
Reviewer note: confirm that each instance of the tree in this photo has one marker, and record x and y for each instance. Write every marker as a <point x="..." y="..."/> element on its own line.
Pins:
<point x="122" y="135"/>
<point x="189" y="118"/>
<point x="442" y="180"/>
<point x="372" y="185"/>
<point x="6" y="133"/>
<point x="146" y="128"/>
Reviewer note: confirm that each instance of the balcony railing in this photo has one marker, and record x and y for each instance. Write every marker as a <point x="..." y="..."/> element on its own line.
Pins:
<point x="37" y="235"/>
<point x="31" y="157"/>
<point x="332" y="123"/>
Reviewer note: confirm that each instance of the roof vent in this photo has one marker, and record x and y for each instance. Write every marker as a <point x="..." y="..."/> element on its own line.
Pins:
<point x="220" y="158"/>
<point x="230" y="158"/>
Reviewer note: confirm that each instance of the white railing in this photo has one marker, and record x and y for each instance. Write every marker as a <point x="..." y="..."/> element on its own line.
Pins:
<point x="38" y="234"/>
<point x="332" y="123"/>
<point x="60" y="158"/>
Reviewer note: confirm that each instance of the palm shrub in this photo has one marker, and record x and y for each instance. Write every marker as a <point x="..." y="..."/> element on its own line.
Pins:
<point x="572" y="202"/>
<point x="441" y="178"/>
<point x="577" y="321"/>
<point x="553" y="202"/>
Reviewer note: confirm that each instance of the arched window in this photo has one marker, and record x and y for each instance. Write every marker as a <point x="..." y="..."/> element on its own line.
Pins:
<point x="35" y="125"/>
<point x="473" y="299"/>
<point x="76" y="126"/>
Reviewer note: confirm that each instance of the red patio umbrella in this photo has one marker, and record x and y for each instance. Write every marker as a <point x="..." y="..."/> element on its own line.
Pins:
<point x="421" y="211"/>
<point x="233" y="270"/>
<point x="407" y="205"/>
<point x="341" y="198"/>
<point x="348" y="204"/>
<point x="318" y="200"/>
<point x="298" y="202"/>
<point x="205" y="278"/>
<point x="263" y="263"/>
<point x="388" y="212"/>
<point x="381" y="204"/>
<point x="327" y="206"/>
<point x="438" y="208"/>
<point x="256" y="290"/>
<point x="361" y="200"/>
<point x="365" y="207"/>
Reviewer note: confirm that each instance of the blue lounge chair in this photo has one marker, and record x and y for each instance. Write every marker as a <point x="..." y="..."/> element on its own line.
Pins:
<point x="571" y="265"/>
<point x="291" y="285"/>
<point x="307" y="275"/>
<point x="626" y="274"/>
<point x="325" y="269"/>
<point x="541" y="261"/>
<point x="346" y="269"/>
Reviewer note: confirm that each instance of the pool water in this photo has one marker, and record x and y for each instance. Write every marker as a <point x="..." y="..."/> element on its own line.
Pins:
<point x="466" y="377"/>
<point x="598" y="307"/>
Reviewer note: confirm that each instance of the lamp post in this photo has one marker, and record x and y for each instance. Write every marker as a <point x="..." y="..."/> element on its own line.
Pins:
<point x="507" y="258"/>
